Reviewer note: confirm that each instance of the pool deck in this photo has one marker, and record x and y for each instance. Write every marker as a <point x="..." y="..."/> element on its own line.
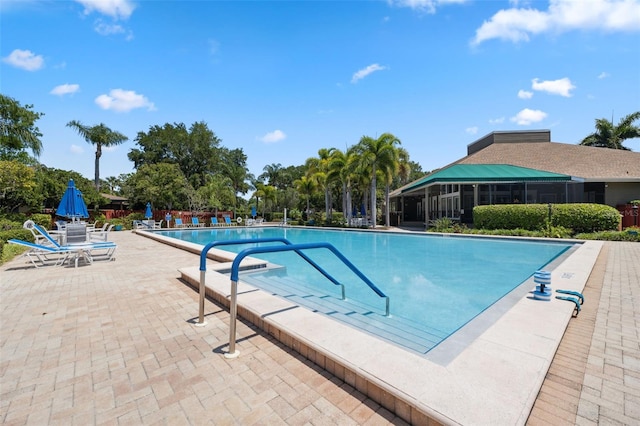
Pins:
<point x="115" y="342"/>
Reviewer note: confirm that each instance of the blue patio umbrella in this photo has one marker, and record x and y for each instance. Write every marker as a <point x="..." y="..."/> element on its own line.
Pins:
<point x="72" y="205"/>
<point x="354" y="212"/>
<point x="253" y="212"/>
<point x="363" y="210"/>
<point x="148" y="213"/>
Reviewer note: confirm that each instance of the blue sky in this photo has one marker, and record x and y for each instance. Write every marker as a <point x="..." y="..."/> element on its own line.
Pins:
<point x="282" y="79"/>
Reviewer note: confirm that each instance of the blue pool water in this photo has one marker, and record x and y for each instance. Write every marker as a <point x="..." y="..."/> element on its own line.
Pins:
<point x="434" y="282"/>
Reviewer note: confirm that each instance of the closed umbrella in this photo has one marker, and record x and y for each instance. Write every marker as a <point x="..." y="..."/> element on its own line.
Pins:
<point x="72" y="205"/>
<point x="253" y="212"/>
<point x="148" y="213"/>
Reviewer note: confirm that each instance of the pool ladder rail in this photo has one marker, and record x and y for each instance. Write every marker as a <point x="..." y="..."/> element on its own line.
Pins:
<point x="578" y="300"/>
<point x="288" y="246"/>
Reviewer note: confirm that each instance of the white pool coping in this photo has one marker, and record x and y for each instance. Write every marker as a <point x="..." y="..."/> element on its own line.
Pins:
<point x="494" y="379"/>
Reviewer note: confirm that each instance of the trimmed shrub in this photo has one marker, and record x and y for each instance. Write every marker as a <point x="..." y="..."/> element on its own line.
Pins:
<point x="511" y="216"/>
<point x="41" y="219"/>
<point x="610" y="236"/>
<point x="18" y="234"/>
<point x="585" y="217"/>
<point x="578" y="217"/>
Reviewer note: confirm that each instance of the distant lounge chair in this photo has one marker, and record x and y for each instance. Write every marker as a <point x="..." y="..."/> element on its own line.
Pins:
<point x="100" y="235"/>
<point x="158" y="225"/>
<point x="195" y="222"/>
<point x="227" y="221"/>
<point x="214" y="221"/>
<point x="178" y="223"/>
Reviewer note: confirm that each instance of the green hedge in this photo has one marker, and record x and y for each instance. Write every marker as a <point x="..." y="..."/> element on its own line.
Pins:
<point x="18" y="234"/>
<point x="530" y="217"/>
<point x="42" y="219"/>
<point x="586" y="217"/>
<point x="578" y="217"/>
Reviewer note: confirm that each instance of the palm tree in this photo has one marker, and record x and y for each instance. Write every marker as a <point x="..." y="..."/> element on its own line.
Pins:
<point x="336" y="174"/>
<point x="379" y="154"/>
<point x="272" y="174"/>
<point x="99" y="136"/>
<point x="306" y="187"/>
<point x="269" y="195"/>
<point x="235" y="168"/>
<point x="259" y="193"/>
<point x="608" y="135"/>
<point x="388" y="169"/>
<point x="318" y="169"/>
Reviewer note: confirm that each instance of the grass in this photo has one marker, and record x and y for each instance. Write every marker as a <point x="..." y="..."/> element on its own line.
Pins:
<point x="9" y="251"/>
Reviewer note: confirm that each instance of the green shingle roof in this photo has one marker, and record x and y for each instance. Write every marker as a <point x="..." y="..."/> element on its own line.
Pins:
<point x="463" y="173"/>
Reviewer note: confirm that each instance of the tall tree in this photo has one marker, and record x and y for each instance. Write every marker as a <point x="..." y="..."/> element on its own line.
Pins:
<point x="318" y="169"/>
<point x="608" y="135"/>
<point x="17" y="184"/>
<point x="218" y="193"/>
<point x="18" y="131"/>
<point x="273" y="174"/>
<point x="196" y="150"/>
<point x="100" y="136"/>
<point x="235" y="168"/>
<point x="162" y="184"/>
<point x="379" y="154"/>
<point x="306" y="187"/>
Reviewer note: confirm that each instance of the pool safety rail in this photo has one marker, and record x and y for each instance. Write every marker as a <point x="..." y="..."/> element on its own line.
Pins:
<point x="288" y="246"/>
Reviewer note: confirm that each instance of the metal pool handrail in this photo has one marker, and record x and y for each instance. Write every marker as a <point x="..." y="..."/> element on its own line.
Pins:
<point x="271" y="249"/>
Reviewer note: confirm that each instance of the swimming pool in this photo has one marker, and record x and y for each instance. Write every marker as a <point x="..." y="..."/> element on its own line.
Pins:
<point x="434" y="283"/>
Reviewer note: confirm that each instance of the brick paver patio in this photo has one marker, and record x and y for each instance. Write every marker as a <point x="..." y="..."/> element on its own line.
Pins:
<point x="115" y="343"/>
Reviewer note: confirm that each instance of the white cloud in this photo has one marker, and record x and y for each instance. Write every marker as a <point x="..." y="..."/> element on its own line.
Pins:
<point x="562" y="87"/>
<point x="117" y="9"/>
<point x="105" y="29"/>
<point x="123" y="101"/>
<point x="528" y="116"/>
<point x="496" y="120"/>
<point x="603" y="75"/>
<point x="523" y="94"/>
<point x="471" y="130"/>
<point x="359" y="75"/>
<point x="65" y="89"/>
<point x="428" y="6"/>
<point x="25" y="59"/>
<point x="272" y="137"/>
<point x="76" y="149"/>
<point x="518" y="24"/>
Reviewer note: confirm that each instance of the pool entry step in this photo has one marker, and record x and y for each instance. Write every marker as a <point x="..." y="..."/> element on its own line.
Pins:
<point x="398" y="331"/>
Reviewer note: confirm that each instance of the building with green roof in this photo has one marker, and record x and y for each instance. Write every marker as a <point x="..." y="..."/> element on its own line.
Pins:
<point x="519" y="167"/>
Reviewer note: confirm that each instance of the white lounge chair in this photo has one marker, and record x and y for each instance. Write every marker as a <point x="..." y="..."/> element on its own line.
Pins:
<point x="42" y="255"/>
<point x="100" y="235"/>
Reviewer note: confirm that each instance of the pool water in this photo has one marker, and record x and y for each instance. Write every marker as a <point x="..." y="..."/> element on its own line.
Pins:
<point x="432" y="281"/>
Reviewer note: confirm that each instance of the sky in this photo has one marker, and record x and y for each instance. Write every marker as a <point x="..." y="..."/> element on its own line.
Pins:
<point x="283" y="79"/>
